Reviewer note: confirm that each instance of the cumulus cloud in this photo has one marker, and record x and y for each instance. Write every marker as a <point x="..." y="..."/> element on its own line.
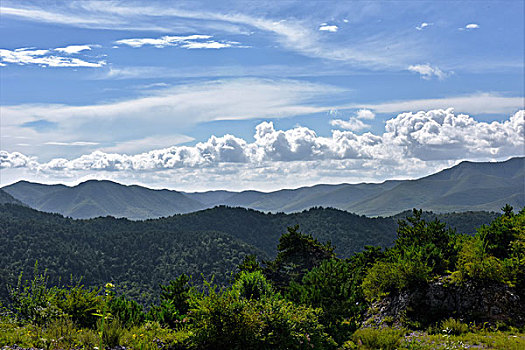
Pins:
<point x="472" y="26"/>
<point x="423" y="26"/>
<point x="354" y="123"/>
<point x="328" y="28"/>
<point x="45" y="58"/>
<point x="427" y="71"/>
<point x="409" y="138"/>
<point x="196" y="41"/>
<point x="365" y="114"/>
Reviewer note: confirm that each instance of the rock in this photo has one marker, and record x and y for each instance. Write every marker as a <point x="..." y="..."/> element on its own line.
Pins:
<point x="470" y="302"/>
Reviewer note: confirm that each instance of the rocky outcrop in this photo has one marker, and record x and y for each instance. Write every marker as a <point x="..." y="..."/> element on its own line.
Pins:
<point x="469" y="302"/>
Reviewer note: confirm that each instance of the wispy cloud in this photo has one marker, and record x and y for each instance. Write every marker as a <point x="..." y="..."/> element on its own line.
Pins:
<point x="354" y="123"/>
<point x="161" y="112"/>
<point x="481" y="103"/>
<point x="46" y="58"/>
<point x="196" y="41"/>
<point x="292" y="34"/>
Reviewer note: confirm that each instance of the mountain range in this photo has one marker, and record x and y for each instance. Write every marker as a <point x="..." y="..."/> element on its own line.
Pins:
<point x="468" y="186"/>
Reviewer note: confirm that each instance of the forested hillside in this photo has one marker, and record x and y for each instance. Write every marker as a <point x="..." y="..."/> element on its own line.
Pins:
<point x="138" y="255"/>
<point x="433" y="288"/>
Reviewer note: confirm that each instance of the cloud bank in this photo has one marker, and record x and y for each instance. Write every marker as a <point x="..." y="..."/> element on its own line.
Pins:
<point x="435" y="135"/>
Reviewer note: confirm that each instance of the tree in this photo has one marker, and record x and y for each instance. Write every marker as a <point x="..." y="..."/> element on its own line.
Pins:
<point x="297" y="254"/>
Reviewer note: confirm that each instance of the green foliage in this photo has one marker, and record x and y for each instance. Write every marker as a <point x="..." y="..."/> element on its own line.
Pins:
<point x="333" y="286"/>
<point x="252" y="285"/>
<point x="223" y="320"/>
<point x="496" y="253"/>
<point x="249" y="264"/>
<point x="174" y="304"/>
<point x="297" y="253"/>
<point x="79" y="304"/>
<point x="422" y="250"/>
<point x="454" y="327"/>
<point x="127" y="311"/>
<point x="382" y="338"/>
<point x="33" y="301"/>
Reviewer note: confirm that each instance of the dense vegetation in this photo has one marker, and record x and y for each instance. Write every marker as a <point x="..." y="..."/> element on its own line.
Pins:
<point x="303" y="297"/>
<point x="140" y="255"/>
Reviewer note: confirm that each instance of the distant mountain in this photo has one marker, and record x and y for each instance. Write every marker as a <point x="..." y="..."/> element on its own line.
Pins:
<point x="102" y="198"/>
<point x="6" y="198"/>
<point x="467" y="186"/>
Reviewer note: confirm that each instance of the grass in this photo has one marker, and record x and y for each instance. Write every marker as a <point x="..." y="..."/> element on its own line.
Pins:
<point x="62" y="334"/>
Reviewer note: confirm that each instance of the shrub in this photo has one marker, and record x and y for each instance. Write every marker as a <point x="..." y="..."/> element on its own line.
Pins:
<point x="406" y="270"/>
<point x="128" y="311"/>
<point x="379" y="338"/>
<point x="80" y="304"/>
<point x="252" y="285"/>
<point x="334" y="287"/>
<point x="454" y="327"/>
<point x="224" y="320"/>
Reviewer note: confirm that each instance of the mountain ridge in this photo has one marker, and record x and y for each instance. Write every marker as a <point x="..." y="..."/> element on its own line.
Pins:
<point x="466" y="186"/>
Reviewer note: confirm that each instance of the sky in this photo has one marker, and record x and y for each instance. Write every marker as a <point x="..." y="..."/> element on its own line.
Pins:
<point x="258" y="95"/>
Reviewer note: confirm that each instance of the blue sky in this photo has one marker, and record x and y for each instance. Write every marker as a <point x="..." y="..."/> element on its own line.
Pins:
<point x="257" y="95"/>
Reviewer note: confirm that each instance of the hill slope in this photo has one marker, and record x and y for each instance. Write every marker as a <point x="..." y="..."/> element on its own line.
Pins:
<point x="465" y="187"/>
<point x="138" y="255"/>
<point x="6" y="198"/>
<point x="102" y="198"/>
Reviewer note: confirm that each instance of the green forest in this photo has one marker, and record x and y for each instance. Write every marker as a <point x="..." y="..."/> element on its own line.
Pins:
<point x="229" y="278"/>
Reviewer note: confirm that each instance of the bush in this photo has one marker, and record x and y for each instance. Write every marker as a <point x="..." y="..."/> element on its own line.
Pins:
<point x="128" y="311"/>
<point x="80" y="304"/>
<point x="454" y="327"/>
<point x="252" y="285"/>
<point x="406" y="270"/>
<point x="379" y="338"/>
<point x="224" y="320"/>
<point x="333" y="286"/>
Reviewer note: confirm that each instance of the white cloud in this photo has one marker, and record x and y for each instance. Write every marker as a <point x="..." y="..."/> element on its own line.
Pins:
<point x="72" y="49"/>
<point x="423" y="25"/>
<point x="44" y="58"/>
<point x="146" y="144"/>
<point x="293" y="34"/>
<point x="158" y="114"/>
<point x="328" y="28"/>
<point x="482" y="103"/>
<point x="352" y="124"/>
<point x="196" y="41"/>
<point x="365" y="114"/>
<point x="74" y="143"/>
<point x="472" y="26"/>
<point x="435" y="135"/>
<point x="428" y="72"/>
